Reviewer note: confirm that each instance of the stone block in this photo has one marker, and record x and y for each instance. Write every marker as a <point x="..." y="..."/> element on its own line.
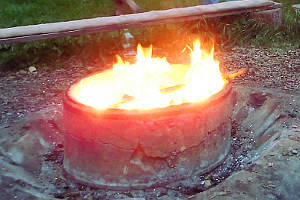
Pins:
<point x="297" y="8"/>
<point x="272" y="17"/>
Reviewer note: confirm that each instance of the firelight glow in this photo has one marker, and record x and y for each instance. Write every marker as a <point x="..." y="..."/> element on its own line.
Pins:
<point x="152" y="82"/>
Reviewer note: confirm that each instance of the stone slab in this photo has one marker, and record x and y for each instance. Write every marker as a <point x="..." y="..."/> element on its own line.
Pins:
<point x="296" y="7"/>
<point x="272" y="17"/>
<point x="276" y="175"/>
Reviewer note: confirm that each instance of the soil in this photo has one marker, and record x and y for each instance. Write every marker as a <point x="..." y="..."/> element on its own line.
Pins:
<point x="274" y="70"/>
<point x="23" y="92"/>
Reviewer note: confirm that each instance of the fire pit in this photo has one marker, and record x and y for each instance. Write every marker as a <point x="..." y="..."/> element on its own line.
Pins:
<point x="118" y="140"/>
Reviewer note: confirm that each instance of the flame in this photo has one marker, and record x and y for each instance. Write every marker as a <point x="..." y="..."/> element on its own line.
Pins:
<point x="152" y="82"/>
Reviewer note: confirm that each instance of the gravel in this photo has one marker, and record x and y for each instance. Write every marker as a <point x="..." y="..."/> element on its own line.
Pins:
<point x="23" y="92"/>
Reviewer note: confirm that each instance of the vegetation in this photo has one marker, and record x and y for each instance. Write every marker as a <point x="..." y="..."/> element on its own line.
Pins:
<point x="224" y="31"/>
<point x="26" y="12"/>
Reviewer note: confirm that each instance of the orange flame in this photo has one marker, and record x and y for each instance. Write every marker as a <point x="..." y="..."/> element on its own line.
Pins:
<point x="152" y="82"/>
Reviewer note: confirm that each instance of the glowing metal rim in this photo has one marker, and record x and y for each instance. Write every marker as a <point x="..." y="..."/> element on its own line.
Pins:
<point x="116" y="113"/>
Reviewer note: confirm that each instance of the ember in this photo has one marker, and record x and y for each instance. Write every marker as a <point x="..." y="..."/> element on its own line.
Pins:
<point x="152" y="82"/>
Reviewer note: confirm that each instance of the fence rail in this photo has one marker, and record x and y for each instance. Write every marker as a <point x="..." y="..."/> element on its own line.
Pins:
<point x="100" y="24"/>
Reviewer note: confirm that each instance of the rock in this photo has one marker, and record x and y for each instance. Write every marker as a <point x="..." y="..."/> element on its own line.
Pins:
<point x="270" y="164"/>
<point x="138" y="194"/>
<point x="273" y="16"/>
<point x="296" y="7"/>
<point x="251" y="71"/>
<point x="17" y="173"/>
<point x="48" y="125"/>
<point x="297" y="130"/>
<point x="34" y="137"/>
<point x="22" y="72"/>
<point x="261" y="118"/>
<point x="257" y="99"/>
<point x="27" y="152"/>
<point x="265" y="182"/>
<point x="32" y="69"/>
<point x="294" y="151"/>
<point x="207" y="183"/>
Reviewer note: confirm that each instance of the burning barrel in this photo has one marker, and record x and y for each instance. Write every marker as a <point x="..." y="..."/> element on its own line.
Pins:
<point x="128" y="143"/>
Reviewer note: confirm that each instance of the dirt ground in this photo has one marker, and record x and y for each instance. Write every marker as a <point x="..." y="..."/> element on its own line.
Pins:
<point x="23" y="92"/>
<point x="275" y="173"/>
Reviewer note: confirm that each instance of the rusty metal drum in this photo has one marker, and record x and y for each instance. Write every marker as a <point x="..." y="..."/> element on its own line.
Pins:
<point x="136" y="149"/>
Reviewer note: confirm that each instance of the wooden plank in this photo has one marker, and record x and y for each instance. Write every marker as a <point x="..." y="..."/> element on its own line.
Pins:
<point x="100" y="24"/>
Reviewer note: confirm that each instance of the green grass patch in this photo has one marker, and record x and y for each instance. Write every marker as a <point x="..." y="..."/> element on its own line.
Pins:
<point x="27" y="12"/>
<point x="224" y="31"/>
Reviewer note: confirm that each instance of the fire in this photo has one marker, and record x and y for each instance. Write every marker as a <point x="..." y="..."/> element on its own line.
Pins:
<point x="152" y="82"/>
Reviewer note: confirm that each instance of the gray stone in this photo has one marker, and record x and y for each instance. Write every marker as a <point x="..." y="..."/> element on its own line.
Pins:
<point x="32" y="138"/>
<point x="27" y="152"/>
<point x="22" y="72"/>
<point x="17" y="173"/>
<point x="294" y="151"/>
<point x="260" y="181"/>
<point x="207" y="183"/>
<point x="296" y="7"/>
<point x="272" y="17"/>
<point x="270" y="164"/>
<point x="32" y="69"/>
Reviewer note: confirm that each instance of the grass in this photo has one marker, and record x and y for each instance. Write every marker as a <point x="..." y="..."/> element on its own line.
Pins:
<point x="26" y="12"/>
<point x="224" y="31"/>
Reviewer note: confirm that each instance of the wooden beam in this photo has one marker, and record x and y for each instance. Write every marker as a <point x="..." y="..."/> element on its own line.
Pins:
<point x="100" y="24"/>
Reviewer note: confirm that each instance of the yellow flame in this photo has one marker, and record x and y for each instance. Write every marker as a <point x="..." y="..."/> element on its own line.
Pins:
<point x="152" y="82"/>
